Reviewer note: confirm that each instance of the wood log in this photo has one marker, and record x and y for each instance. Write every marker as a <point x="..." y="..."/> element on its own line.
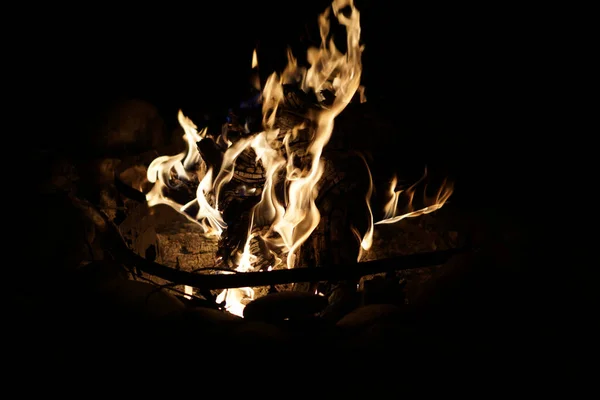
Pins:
<point x="278" y="277"/>
<point x="116" y="245"/>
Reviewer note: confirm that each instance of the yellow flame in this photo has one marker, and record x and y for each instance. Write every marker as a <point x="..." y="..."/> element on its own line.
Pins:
<point x="234" y="298"/>
<point x="255" y="79"/>
<point x="367" y="240"/>
<point x="395" y="213"/>
<point x="254" y="59"/>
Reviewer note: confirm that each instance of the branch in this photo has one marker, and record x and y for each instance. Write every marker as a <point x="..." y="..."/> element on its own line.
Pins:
<point x="117" y="246"/>
<point x="318" y="274"/>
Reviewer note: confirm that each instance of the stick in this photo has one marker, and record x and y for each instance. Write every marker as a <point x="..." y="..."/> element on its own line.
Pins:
<point x="318" y="274"/>
<point x="125" y="255"/>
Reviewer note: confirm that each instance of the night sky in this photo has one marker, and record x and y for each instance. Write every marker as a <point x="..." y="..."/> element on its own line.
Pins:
<point x="455" y="80"/>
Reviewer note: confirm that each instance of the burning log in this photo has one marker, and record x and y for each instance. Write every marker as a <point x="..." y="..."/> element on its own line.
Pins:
<point x="279" y="277"/>
<point x="117" y="246"/>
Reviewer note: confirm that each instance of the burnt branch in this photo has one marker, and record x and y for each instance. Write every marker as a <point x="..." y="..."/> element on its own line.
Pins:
<point x="279" y="277"/>
<point x="117" y="246"/>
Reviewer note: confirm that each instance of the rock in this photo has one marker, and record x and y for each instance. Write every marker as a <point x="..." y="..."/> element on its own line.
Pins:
<point x="98" y="273"/>
<point x="203" y="317"/>
<point x="136" y="177"/>
<point x="137" y="299"/>
<point x="191" y="329"/>
<point x="59" y="237"/>
<point x="383" y="339"/>
<point x="282" y="305"/>
<point x="376" y="329"/>
<point x="132" y="123"/>
<point x="382" y="290"/>
<point x="313" y="335"/>
<point x="255" y="337"/>
<point x="365" y="316"/>
<point x="341" y="302"/>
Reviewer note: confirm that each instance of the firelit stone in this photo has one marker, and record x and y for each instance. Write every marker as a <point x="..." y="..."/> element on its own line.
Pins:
<point x="202" y="317"/>
<point x="365" y="316"/>
<point x="98" y="273"/>
<point x="139" y="299"/>
<point x="131" y="123"/>
<point x="254" y="337"/>
<point x="282" y="305"/>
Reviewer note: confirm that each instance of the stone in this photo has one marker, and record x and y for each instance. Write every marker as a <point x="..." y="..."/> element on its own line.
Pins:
<point x="256" y="337"/>
<point x="375" y="328"/>
<point x="209" y="317"/>
<point x="282" y="305"/>
<point x="137" y="299"/>
<point x="366" y="316"/>
<point x="132" y="123"/>
<point x="98" y="273"/>
<point x="341" y="302"/>
<point x="60" y="236"/>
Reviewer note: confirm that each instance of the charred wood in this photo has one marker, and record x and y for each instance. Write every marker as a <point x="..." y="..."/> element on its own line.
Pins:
<point x="117" y="246"/>
<point x="279" y="277"/>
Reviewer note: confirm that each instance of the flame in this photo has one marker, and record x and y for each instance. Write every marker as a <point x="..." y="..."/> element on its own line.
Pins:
<point x="185" y="166"/>
<point x="234" y="298"/>
<point x="394" y="212"/>
<point x="367" y="240"/>
<point x="254" y="59"/>
<point x="189" y="291"/>
<point x="255" y="80"/>
<point x="286" y="214"/>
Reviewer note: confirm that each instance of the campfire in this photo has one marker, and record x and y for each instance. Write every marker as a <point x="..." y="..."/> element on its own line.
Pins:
<point x="260" y="185"/>
<point x="270" y="218"/>
<point x="284" y="228"/>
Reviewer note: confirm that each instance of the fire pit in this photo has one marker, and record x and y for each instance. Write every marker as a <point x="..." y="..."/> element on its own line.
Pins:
<point x="269" y="232"/>
<point x="265" y="193"/>
<point x="270" y="199"/>
<point x="311" y="230"/>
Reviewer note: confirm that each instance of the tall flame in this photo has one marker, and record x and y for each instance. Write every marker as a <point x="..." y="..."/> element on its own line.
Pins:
<point x="281" y="222"/>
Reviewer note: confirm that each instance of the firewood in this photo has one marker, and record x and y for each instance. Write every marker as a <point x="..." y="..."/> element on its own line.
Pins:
<point x="120" y="249"/>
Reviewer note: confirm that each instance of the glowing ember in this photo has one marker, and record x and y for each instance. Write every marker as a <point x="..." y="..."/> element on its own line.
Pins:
<point x="284" y="223"/>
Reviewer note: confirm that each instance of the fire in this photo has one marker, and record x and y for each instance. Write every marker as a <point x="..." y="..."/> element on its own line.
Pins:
<point x="395" y="213"/>
<point x="189" y="291"/>
<point x="285" y="222"/>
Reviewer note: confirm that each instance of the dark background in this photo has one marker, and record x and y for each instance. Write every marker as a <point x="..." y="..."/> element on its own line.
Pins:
<point x="459" y="83"/>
